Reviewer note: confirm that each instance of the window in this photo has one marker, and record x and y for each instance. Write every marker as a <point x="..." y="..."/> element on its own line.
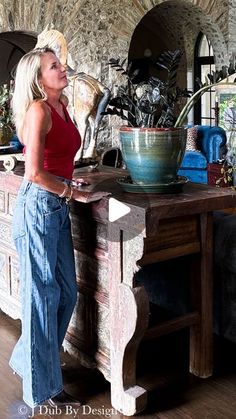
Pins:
<point x="204" y="110"/>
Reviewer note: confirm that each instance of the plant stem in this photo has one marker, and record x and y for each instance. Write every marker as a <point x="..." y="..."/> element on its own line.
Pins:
<point x="183" y="114"/>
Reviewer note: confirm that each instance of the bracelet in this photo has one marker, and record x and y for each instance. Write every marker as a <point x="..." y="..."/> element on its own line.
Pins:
<point x="68" y="198"/>
<point x="63" y="194"/>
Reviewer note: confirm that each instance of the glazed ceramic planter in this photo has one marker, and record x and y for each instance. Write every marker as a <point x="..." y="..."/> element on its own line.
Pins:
<point x="153" y="155"/>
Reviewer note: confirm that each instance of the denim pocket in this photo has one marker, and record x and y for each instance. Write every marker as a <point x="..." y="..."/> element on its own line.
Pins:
<point x="51" y="204"/>
<point x="52" y="212"/>
<point x="18" y="224"/>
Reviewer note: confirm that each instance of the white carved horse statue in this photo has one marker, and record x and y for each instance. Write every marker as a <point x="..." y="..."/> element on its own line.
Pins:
<point x="88" y="97"/>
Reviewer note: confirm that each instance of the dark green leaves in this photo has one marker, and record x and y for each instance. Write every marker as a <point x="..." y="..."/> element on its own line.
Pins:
<point x="146" y="100"/>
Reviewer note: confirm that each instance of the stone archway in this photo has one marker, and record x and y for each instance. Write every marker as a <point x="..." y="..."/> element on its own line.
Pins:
<point x="13" y="45"/>
<point x="176" y="24"/>
<point x="97" y="31"/>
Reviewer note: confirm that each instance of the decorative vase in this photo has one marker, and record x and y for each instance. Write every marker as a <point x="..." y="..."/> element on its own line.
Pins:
<point x="153" y="155"/>
<point x="5" y="135"/>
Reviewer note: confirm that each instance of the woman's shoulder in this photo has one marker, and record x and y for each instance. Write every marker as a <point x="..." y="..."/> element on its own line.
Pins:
<point x="39" y="113"/>
<point x="40" y="107"/>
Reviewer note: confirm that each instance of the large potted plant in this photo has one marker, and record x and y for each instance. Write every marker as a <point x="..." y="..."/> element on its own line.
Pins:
<point x="154" y="138"/>
<point x="152" y="147"/>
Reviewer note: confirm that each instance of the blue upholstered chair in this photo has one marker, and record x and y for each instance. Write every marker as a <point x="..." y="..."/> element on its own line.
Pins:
<point x="211" y="146"/>
<point x="16" y="144"/>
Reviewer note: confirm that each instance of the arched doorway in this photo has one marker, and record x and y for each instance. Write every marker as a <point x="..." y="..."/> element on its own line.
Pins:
<point x="153" y="36"/>
<point x="175" y="24"/>
<point x="13" y="45"/>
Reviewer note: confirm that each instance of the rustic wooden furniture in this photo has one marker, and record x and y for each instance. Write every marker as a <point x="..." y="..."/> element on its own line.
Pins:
<point x="9" y="266"/>
<point x="113" y="239"/>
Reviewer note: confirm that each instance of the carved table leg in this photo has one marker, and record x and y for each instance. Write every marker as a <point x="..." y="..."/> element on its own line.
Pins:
<point x="129" y="313"/>
<point x="129" y="321"/>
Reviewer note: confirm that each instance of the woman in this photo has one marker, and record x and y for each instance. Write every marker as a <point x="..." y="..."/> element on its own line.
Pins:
<point x="41" y="225"/>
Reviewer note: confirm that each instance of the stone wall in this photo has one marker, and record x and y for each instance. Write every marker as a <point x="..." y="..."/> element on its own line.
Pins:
<point x="96" y="31"/>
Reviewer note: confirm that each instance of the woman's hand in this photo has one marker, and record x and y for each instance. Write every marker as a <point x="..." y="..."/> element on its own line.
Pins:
<point x="86" y="196"/>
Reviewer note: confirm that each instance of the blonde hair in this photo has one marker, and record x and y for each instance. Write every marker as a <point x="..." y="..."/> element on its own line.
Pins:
<point x="27" y="85"/>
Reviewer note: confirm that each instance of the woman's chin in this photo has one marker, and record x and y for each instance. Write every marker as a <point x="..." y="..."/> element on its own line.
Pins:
<point x="65" y="81"/>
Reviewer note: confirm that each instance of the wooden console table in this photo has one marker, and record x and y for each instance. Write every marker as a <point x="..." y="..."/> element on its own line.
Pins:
<point x="112" y="313"/>
<point x="156" y="228"/>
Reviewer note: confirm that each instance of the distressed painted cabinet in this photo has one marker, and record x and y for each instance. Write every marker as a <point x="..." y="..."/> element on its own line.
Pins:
<point x="9" y="267"/>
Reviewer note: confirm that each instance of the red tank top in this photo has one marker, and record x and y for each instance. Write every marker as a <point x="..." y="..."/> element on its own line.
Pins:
<point x="61" y="145"/>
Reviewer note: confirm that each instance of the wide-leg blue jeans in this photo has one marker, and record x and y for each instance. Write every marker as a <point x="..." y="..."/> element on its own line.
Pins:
<point x="42" y="236"/>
